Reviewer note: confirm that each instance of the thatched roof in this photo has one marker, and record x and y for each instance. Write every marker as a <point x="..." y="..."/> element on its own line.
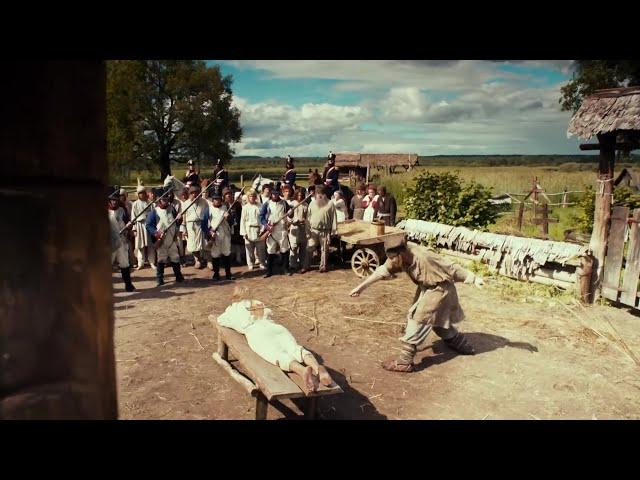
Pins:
<point x="376" y="159"/>
<point x="607" y="111"/>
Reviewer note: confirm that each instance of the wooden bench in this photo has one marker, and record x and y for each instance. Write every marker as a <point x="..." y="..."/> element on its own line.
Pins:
<point x="262" y="380"/>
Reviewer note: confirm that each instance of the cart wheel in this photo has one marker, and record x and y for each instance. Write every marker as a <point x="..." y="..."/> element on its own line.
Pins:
<point x="364" y="261"/>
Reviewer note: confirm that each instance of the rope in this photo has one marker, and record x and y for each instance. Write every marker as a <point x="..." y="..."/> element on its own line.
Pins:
<point x="601" y="185"/>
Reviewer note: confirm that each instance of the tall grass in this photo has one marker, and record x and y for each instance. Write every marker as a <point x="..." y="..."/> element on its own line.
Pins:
<point x="509" y="180"/>
<point x="500" y="179"/>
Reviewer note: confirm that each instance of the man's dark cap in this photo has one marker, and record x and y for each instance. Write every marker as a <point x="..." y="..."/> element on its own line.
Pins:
<point x="113" y="192"/>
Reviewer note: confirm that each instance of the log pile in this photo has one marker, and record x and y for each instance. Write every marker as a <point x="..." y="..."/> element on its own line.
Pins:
<point x="530" y="259"/>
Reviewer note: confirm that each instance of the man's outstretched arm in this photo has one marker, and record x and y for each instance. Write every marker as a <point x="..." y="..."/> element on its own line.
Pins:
<point x="380" y="273"/>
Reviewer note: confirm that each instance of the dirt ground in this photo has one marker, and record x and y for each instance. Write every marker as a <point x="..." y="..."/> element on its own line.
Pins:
<point x="537" y="358"/>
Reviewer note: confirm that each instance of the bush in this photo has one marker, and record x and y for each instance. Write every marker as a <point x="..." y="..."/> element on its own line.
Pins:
<point x="445" y="198"/>
<point x="622" y="196"/>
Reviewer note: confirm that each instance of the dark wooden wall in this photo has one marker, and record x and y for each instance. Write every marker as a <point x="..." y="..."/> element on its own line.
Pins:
<point x="56" y="311"/>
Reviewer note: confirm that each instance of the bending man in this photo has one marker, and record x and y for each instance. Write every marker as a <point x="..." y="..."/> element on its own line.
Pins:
<point x="435" y="304"/>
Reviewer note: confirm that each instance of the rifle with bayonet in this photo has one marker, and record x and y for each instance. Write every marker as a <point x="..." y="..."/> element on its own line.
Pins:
<point x="229" y="209"/>
<point x="266" y="233"/>
<point x="206" y="189"/>
<point x="131" y="222"/>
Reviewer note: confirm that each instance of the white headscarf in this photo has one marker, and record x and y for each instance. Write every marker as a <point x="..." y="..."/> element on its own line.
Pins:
<point x="240" y="317"/>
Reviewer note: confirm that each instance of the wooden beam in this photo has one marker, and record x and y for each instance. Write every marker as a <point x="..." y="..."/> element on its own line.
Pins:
<point x="56" y="306"/>
<point x="617" y="146"/>
<point x="244" y="382"/>
<point x="602" y="213"/>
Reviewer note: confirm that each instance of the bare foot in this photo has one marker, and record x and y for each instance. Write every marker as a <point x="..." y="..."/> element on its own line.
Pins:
<point x="325" y="378"/>
<point x="310" y="379"/>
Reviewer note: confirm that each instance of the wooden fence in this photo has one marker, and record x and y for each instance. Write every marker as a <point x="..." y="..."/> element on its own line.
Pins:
<point x="622" y="262"/>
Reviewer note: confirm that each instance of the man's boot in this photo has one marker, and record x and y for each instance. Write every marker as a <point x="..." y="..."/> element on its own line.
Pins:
<point x="160" y="274"/>
<point x="285" y="264"/>
<point x="126" y="277"/>
<point x="177" y="272"/>
<point x="227" y="267"/>
<point x="216" y="269"/>
<point x="402" y="363"/>
<point x="271" y="259"/>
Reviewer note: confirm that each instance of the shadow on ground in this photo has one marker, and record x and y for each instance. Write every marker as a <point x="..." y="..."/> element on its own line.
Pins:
<point x="482" y="342"/>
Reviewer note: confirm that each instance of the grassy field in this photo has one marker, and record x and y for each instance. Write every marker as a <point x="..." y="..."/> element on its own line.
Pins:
<point x="517" y="179"/>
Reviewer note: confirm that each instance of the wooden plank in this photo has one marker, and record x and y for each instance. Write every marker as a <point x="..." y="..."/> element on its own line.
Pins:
<point x="271" y="380"/>
<point x="357" y="232"/>
<point x="237" y="376"/>
<point x="613" y="259"/>
<point x="632" y="268"/>
<point x="322" y="390"/>
<point x="619" y="146"/>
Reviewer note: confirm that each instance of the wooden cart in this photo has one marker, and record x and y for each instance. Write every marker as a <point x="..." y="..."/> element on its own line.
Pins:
<point x="367" y="248"/>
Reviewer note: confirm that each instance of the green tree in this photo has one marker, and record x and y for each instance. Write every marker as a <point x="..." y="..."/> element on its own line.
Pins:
<point x="445" y="198"/>
<point x="162" y="111"/>
<point x="592" y="75"/>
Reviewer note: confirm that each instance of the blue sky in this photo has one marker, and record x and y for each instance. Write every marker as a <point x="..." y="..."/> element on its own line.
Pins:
<point x="308" y="107"/>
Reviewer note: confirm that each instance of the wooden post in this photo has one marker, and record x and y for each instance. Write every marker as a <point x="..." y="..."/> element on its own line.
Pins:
<point x="223" y="349"/>
<point x="564" y="198"/>
<point x="262" y="405"/>
<point x="56" y="302"/>
<point x="311" y="408"/>
<point x="583" y="274"/>
<point x="368" y="173"/>
<point x="520" y="214"/>
<point x="545" y="219"/>
<point x="602" y="213"/>
<point x="534" y="191"/>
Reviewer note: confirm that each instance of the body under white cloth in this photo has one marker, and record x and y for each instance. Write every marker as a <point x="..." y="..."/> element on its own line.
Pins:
<point x="270" y="340"/>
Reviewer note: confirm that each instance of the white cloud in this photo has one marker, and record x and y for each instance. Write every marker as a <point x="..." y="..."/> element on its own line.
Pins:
<point x="403" y="110"/>
<point x="404" y="103"/>
<point x="441" y="75"/>
<point x="275" y="126"/>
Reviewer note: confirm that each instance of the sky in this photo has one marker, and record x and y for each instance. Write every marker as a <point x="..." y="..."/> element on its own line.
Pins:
<point x="428" y="107"/>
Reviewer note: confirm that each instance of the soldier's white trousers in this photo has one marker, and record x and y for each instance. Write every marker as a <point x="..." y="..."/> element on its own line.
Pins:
<point x="121" y="255"/>
<point x="167" y="251"/>
<point x="278" y="241"/>
<point x="221" y="246"/>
